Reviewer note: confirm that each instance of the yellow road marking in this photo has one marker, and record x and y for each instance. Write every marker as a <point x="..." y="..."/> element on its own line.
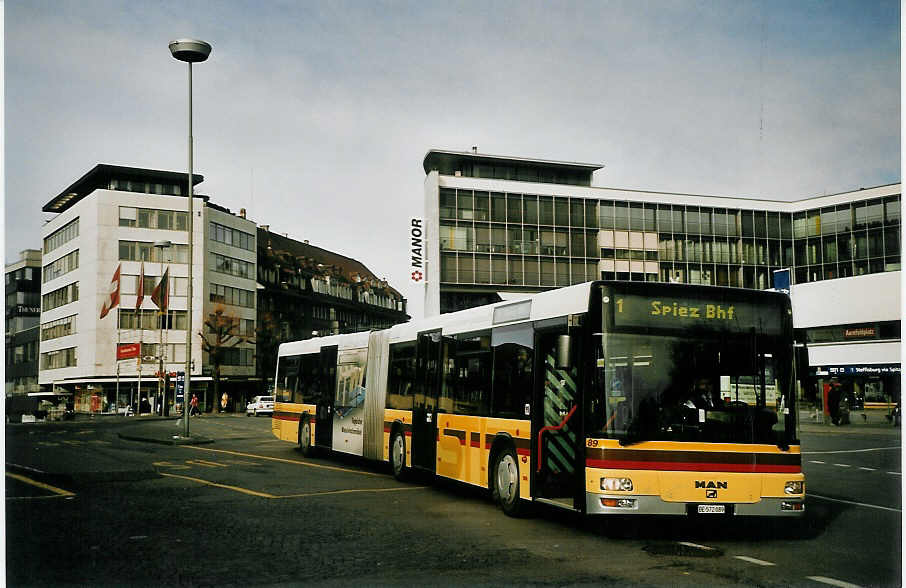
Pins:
<point x="42" y="485"/>
<point x="277" y="497"/>
<point x="353" y="491"/>
<point x="225" y="486"/>
<point x="205" y="463"/>
<point x="283" y="460"/>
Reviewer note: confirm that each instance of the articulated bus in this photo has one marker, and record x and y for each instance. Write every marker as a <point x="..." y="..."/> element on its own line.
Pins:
<point x="603" y="398"/>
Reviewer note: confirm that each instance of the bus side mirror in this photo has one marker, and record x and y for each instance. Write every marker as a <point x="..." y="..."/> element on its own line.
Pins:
<point x="564" y="343"/>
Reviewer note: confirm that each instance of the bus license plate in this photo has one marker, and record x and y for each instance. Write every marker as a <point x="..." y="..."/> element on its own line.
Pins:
<point x="712" y="509"/>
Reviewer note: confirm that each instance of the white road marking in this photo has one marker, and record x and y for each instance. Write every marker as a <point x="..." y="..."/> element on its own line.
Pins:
<point x="842" y="465"/>
<point x="819" y="497"/>
<point x="759" y="562"/>
<point x="816" y="461"/>
<point x="833" y="582"/>
<point x="895" y="473"/>
<point x="849" y="451"/>
<point x="696" y="545"/>
<point x="869" y="469"/>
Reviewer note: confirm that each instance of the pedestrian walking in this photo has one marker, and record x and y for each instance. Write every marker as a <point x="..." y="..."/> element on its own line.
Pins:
<point x="223" y="402"/>
<point x="194" y="405"/>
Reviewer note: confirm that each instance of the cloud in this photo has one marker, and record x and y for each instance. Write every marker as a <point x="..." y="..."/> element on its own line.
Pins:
<point x="316" y="116"/>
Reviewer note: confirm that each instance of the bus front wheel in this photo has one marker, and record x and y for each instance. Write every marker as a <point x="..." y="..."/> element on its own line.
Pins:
<point x="305" y="437"/>
<point x="398" y="455"/>
<point x="506" y="483"/>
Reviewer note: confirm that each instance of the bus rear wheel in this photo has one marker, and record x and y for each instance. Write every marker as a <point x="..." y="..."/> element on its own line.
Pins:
<point x="305" y="437"/>
<point x="505" y="482"/>
<point x="398" y="455"/>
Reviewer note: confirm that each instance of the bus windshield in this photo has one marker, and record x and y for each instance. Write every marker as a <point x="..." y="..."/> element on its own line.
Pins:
<point x="702" y="386"/>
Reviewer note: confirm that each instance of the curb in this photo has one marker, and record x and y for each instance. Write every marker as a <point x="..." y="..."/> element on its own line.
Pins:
<point x="164" y="441"/>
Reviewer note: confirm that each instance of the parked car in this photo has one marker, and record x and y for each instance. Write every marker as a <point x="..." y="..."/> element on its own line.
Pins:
<point x="260" y="405"/>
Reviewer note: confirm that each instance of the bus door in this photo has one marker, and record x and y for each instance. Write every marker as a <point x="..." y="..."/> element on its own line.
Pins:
<point x="557" y="419"/>
<point x="424" y="408"/>
<point x="328" y="384"/>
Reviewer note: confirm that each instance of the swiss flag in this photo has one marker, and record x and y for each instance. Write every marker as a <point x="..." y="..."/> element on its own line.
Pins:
<point x="113" y="296"/>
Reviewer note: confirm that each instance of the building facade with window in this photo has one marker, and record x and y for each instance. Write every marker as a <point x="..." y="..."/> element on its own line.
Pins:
<point x="23" y="309"/>
<point x="306" y="291"/>
<point x="497" y="226"/>
<point x="131" y="218"/>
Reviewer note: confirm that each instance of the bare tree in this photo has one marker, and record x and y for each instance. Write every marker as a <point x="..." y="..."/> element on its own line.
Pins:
<point x="222" y="332"/>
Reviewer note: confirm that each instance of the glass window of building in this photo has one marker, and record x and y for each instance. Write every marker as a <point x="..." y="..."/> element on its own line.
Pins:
<point x="679" y="216"/>
<point x="605" y="214"/>
<point x="546" y="207"/>
<point x="514" y="274"/>
<point x="498" y="208"/>
<point x="514" y="208"/>
<point x="482" y="206"/>
<point x="498" y="269"/>
<point x="892" y="210"/>
<point x="748" y="223"/>
<point x="465" y="209"/>
<point x="561" y="212"/>
<point x="621" y="215"/>
<point x="530" y="209"/>
<point x="591" y="214"/>
<point x="577" y="212"/>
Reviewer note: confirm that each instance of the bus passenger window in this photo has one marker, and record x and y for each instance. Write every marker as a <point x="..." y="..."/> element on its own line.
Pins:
<point x="401" y="376"/>
<point x="472" y="376"/>
<point x="512" y="380"/>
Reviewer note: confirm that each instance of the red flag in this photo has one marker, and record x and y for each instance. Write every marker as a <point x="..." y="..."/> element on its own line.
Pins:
<point x="113" y="295"/>
<point x="141" y="288"/>
<point x="161" y="294"/>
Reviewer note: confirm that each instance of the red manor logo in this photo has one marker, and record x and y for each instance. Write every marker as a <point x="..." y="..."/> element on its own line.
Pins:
<point x="416" y="244"/>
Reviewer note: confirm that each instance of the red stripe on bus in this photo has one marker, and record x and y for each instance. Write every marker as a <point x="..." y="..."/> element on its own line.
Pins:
<point x="691" y="466"/>
<point x="523" y="451"/>
<point x="476" y="444"/>
<point x="286" y="417"/>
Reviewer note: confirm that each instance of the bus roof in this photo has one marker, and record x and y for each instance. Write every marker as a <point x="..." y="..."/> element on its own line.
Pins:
<point x="536" y="307"/>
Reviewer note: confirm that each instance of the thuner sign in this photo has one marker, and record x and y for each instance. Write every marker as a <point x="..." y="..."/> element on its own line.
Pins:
<point x="416" y="250"/>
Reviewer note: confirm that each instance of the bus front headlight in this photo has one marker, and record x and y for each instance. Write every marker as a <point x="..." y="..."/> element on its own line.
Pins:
<point x="616" y="484"/>
<point x="793" y="487"/>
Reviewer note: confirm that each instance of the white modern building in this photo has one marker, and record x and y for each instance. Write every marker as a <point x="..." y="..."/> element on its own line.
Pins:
<point x="497" y="226"/>
<point x="119" y="217"/>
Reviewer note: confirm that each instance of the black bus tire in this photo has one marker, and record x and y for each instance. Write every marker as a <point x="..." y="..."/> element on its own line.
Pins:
<point x="505" y="483"/>
<point x="398" y="455"/>
<point x="305" y="436"/>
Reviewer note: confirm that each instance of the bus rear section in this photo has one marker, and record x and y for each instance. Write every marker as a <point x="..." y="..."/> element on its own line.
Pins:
<point x="691" y="406"/>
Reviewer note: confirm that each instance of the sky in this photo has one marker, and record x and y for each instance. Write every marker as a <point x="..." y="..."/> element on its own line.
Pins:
<point x="315" y="116"/>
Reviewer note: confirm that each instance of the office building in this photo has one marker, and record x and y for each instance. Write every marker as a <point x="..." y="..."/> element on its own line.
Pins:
<point x="497" y="226"/>
<point x="129" y="218"/>
<point x="23" y="309"/>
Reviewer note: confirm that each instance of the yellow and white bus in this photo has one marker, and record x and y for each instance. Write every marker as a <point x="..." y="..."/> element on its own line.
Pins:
<point x="603" y="398"/>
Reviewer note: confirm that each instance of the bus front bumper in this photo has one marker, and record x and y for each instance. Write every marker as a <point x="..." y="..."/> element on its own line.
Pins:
<point x="654" y="505"/>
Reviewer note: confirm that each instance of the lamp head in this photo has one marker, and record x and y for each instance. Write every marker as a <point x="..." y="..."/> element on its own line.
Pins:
<point x="190" y="50"/>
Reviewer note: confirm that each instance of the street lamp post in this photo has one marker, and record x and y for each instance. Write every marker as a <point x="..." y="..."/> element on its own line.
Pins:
<point x="191" y="51"/>
<point x="161" y="319"/>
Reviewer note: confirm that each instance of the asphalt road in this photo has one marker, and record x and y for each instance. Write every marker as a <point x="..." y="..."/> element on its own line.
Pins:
<point x="87" y="507"/>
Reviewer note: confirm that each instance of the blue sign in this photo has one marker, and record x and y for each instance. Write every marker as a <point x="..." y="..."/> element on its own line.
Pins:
<point x="782" y="280"/>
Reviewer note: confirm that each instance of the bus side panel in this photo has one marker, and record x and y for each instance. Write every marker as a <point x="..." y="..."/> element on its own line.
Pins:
<point x="375" y="442"/>
<point x="285" y="422"/>
<point x="404" y="417"/>
<point x="520" y="431"/>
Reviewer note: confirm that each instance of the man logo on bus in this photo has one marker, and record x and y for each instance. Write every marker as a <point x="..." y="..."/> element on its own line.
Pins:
<point x="710" y="484"/>
<point x="417" y="276"/>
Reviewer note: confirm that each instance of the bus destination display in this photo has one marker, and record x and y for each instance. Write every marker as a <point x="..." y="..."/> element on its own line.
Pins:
<point x="670" y="312"/>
